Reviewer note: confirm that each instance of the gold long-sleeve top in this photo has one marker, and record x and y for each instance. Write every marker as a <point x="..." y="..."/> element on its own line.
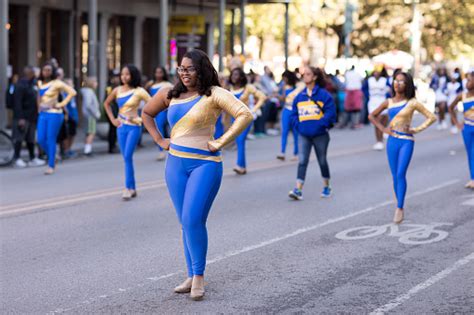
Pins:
<point x="193" y="121"/>
<point x="468" y="105"/>
<point x="401" y="116"/>
<point x="128" y="103"/>
<point x="244" y="93"/>
<point x="49" y="93"/>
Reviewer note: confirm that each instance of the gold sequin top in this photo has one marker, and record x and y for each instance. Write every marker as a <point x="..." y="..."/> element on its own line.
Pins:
<point x="401" y="116"/>
<point x="243" y="94"/>
<point x="193" y="121"/>
<point x="128" y="103"/>
<point x="49" y="93"/>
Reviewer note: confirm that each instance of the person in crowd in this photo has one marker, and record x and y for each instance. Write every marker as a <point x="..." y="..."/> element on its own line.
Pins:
<point x="378" y="90"/>
<point x="71" y="122"/>
<point x="114" y="82"/>
<point x="25" y="116"/>
<point x="438" y="84"/>
<point x="353" y="99"/>
<point x="90" y="112"/>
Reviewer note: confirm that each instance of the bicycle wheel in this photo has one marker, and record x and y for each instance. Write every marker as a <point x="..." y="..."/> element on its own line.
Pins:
<point x="6" y="149"/>
<point x="361" y="232"/>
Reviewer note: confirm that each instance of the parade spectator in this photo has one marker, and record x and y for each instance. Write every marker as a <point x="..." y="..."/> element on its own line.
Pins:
<point x="90" y="112"/>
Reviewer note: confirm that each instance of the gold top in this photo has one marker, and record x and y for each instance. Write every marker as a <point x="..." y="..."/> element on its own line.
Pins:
<point x="290" y="97"/>
<point x="468" y="112"/>
<point x="129" y="102"/>
<point x="49" y="93"/>
<point x="195" y="129"/>
<point x="403" y="119"/>
<point x="248" y="90"/>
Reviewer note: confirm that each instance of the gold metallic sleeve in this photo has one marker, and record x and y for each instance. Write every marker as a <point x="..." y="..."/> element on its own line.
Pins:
<point x="143" y="94"/>
<point x="259" y="95"/>
<point x="230" y="104"/>
<point x="430" y="117"/>
<point x="70" y="93"/>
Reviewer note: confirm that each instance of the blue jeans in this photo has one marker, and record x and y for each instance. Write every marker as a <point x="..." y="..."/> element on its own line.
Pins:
<point x="49" y="125"/>
<point x="285" y="130"/>
<point x="320" y="144"/>
<point x="399" y="152"/>
<point x="193" y="185"/>
<point x="128" y="137"/>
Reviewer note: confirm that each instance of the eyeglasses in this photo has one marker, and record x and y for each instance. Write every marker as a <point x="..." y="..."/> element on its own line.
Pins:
<point x="182" y="70"/>
<point x="399" y="82"/>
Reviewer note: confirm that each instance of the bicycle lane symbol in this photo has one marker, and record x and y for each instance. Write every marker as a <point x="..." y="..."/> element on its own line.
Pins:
<point x="410" y="234"/>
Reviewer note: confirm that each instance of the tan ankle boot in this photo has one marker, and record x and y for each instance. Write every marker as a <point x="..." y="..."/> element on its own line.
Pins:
<point x="197" y="289"/>
<point x="398" y="217"/>
<point x="184" y="287"/>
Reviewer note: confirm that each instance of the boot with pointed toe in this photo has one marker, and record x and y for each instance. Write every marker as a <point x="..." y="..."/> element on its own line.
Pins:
<point x="197" y="289"/>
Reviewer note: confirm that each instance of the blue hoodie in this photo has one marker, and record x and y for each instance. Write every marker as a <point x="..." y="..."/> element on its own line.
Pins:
<point x="313" y="115"/>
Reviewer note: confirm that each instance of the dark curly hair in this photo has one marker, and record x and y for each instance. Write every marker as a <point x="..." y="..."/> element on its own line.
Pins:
<point x="320" y="76"/>
<point x="165" y="73"/>
<point x="291" y="77"/>
<point x="54" y="73"/>
<point x="409" y="84"/>
<point x="206" y="75"/>
<point x="135" y="76"/>
<point x="242" y="77"/>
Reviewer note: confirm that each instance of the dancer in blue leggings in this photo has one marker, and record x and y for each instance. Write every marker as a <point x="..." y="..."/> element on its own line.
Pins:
<point x="289" y="92"/>
<point x="243" y="91"/>
<point x="161" y="81"/>
<point x="51" y="111"/>
<point x="128" y="96"/>
<point x="467" y="127"/>
<point x="401" y="139"/>
<point x="194" y="165"/>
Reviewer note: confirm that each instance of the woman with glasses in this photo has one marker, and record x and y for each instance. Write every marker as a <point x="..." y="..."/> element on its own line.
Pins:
<point x="243" y="91"/>
<point x="194" y="166"/>
<point x="161" y="80"/>
<point x="128" y="97"/>
<point x="401" y="140"/>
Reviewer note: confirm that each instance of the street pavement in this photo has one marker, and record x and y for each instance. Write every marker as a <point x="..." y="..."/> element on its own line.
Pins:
<point x="71" y="245"/>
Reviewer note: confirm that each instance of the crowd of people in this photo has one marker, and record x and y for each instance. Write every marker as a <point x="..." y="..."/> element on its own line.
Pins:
<point x="201" y="112"/>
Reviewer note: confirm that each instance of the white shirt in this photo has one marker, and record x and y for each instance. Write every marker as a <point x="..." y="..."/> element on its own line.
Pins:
<point x="353" y="80"/>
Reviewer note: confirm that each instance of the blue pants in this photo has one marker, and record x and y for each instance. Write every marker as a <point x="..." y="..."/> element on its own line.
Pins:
<point x="49" y="125"/>
<point x="219" y="128"/>
<point x="241" y="139"/>
<point x="320" y="144"/>
<point x="285" y="129"/>
<point x="468" y="136"/>
<point x="161" y="121"/>
<point x="399" y="152"/>
<point x="128" y="137"/>
<point x="193" y="185"/>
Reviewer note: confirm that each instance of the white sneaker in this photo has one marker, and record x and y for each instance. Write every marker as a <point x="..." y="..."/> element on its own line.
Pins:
<point x="272" y="132"/>
<point x="19" y="163"/>
<point x="454" y="130"/>
<point x="379" y="146"/>
<point x="36" y="162"/>
<point x="250" y="137"/>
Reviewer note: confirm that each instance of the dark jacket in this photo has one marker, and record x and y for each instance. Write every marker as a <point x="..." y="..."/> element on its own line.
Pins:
<point x="24" y="100"/>
<point x="313" y="115"/>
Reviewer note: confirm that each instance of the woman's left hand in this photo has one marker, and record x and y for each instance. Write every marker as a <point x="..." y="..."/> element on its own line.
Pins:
<point x="211" y="147"/>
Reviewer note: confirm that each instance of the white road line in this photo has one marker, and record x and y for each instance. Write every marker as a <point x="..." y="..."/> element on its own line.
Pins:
<point x="266" y="243"/>
<point x="424" y="285"/>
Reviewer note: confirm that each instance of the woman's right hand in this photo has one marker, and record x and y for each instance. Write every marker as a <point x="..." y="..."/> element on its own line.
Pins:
<point x="116" y="122"/>
<point x="164" y="143"/>
<point x="388" y="131"/>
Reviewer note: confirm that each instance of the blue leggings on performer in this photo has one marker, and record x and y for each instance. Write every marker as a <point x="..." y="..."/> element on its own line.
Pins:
<point x="468" y="136"/>
<point x="241" y="139"/>
<point x="161" y="121"/>
<point x="193" y="185"/>
<point x="399" y="152"/>
<point x="285" y="130"/>
<point x="128" y="137"/>
<point x="49" y="125"/>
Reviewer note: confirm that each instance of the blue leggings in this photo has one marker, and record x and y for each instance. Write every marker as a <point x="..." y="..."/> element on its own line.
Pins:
<point x="161" y="121"/>
<point x="128" y="137"/>
<point x="285" y="129"/>
<point x="399" y="152"/>
<point x="193" y="185"/>
<point x="219" y="128"/>
<point x="241" y="139"/>
<point x="468" y="136"/>
<point x="49" y="125"/>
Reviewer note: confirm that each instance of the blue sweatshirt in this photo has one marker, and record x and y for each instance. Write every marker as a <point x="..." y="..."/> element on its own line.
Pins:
<point x="313" y="115"/>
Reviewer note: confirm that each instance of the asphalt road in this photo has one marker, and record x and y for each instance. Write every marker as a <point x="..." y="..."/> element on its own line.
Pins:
<point x="71" y="245"/>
